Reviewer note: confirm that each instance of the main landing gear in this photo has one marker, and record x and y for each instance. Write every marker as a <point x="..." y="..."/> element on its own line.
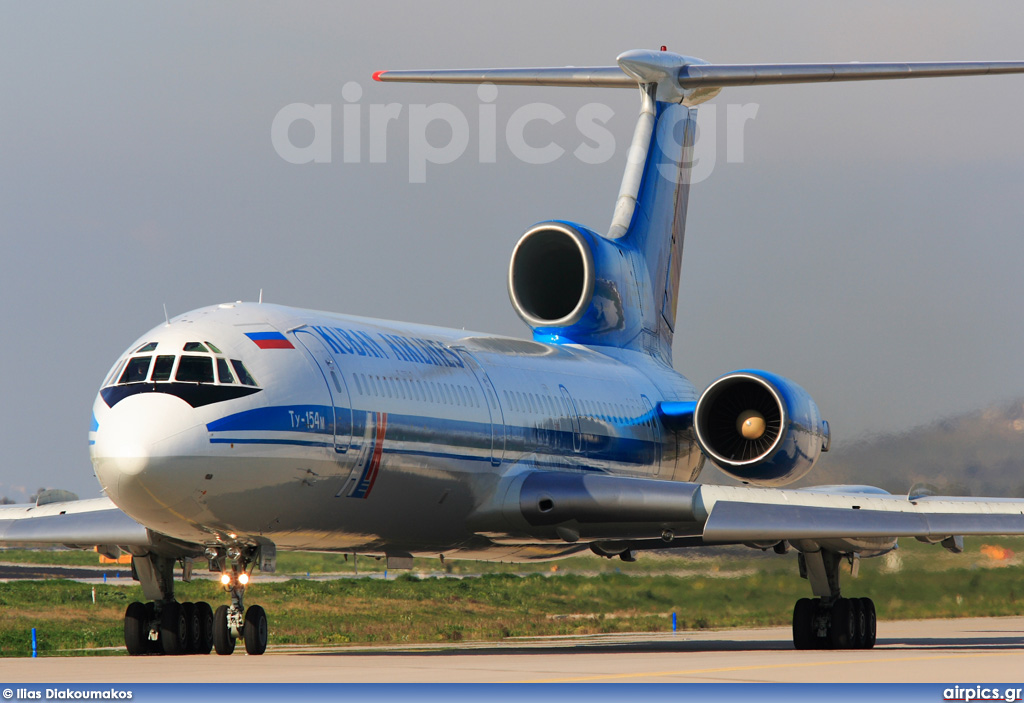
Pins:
<point x="164" y="626"/>
<point x="830" y="621"/>
<point x="845" y="623"/>
<point x="168" y="628"/>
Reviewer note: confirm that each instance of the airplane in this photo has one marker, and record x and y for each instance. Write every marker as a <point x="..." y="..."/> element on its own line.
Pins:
<point x="234" y="431"/>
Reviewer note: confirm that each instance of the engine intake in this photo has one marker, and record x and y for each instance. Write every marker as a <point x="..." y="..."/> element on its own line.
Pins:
<point x="760" y="428"/>
<point x="551" y="276"/>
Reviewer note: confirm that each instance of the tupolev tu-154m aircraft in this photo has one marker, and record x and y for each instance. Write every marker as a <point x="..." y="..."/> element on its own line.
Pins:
<point x="237" y="430"/>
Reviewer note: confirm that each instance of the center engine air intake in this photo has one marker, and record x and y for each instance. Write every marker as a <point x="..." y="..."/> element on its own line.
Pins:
<point x="572" y="285"/>
<point x="551" y="277"/>
<point x="760" y="428"/>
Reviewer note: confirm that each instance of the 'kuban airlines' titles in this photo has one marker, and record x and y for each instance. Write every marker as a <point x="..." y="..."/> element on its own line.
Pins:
<point x="414" y="349"/>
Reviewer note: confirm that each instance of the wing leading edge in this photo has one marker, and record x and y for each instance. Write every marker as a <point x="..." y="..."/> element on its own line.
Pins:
<point x="92" y="522"/>
<point x="598" y="507"/>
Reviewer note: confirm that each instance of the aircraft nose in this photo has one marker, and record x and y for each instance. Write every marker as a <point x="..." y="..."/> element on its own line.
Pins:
<point x="136" y="443"/>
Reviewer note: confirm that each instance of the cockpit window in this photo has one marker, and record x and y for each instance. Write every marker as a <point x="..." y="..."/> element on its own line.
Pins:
<point x="186" y="368"/>
<point x="243" y="374"/>
<point x="223" y="372"/>
<point x="194" y="347"/>
<point x="195" y="369"/>
<point x="136" y="370"/>
<point x="162" y="368"/>
<point x="214" y="349"/>
<point x="148" y="347"/>
<point x="115" y="372"/>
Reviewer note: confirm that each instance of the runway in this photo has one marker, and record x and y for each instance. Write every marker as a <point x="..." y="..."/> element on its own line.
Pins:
<point x="970" y="650"/>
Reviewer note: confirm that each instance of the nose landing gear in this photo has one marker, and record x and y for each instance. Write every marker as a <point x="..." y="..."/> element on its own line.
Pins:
<point x="232" y="622"/>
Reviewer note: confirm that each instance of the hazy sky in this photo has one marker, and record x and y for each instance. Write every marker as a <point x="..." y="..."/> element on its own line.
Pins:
<point x="868" y="246"/>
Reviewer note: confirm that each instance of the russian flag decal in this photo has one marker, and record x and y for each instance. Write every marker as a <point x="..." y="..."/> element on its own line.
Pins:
<point x="269" y="340"/>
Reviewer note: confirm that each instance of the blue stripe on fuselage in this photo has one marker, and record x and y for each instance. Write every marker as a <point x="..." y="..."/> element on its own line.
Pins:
<point x="405" y="430"/>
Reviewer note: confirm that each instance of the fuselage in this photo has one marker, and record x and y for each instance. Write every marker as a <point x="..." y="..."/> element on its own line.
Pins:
<point x="246" y="422"/>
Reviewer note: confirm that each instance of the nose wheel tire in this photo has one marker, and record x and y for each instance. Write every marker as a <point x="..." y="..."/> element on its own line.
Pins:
<point x="223" y="640"/>
<point x="255" y="630"/>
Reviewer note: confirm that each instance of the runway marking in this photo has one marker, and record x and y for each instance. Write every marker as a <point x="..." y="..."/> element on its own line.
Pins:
<point x="754" y="667"/>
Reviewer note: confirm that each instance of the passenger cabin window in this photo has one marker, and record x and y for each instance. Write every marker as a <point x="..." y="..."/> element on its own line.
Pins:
<point x="137" y="370"/>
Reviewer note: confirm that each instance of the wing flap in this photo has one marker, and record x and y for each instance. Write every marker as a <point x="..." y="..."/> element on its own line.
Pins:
<point x="733" y="521"/>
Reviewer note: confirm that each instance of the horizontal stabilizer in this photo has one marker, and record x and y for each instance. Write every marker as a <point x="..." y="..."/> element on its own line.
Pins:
<point x="582" y="77"/>
<point x="692" y="81"/>
<point x="724" y="75"/>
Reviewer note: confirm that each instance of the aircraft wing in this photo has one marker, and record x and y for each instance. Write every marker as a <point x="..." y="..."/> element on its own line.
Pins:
<point x="740" y="514"/>
<point x="81" y="523"/>
<point x="585" y="506"/>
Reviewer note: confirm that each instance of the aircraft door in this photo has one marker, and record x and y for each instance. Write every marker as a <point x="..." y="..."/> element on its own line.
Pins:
<point x="340" y="412"/>
<point x="574" y="418"/>
<point x="497" y="416"/>
<point x="654" y="432"/>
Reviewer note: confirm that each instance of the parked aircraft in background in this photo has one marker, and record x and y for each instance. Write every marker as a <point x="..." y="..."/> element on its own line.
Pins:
<point x="240" y="429"/>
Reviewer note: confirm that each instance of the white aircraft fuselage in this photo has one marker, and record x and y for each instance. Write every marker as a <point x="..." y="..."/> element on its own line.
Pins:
<point x="366" y="436"/>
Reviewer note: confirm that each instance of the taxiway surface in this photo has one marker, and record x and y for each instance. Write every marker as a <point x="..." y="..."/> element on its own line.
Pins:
<point x="989" y="650"/>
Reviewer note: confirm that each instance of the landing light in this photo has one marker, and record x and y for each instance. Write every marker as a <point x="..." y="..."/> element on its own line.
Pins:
<point x="225" y="579"/>
<point x="243" y="578"/>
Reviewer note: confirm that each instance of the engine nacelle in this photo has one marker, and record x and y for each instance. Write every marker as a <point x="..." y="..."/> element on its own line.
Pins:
<point x="760" y="428"/>
<point x="568" y="281"/>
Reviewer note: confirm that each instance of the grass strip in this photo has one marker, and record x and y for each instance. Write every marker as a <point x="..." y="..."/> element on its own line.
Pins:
<point x="408" y="609"/>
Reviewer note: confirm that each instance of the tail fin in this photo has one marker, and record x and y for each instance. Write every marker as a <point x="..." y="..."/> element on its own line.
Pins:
<point x="650" y="214"/>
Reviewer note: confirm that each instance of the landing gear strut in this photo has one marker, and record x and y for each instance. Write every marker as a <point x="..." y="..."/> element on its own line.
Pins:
<point x="164" y="626"/>
<point x="830" y="621"/>
<point x="231" y="622"/>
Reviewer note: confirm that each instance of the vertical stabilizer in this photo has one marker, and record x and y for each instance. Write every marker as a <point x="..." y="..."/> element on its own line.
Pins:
<point x="650" y="214"/>
<point x="622" y="289"/>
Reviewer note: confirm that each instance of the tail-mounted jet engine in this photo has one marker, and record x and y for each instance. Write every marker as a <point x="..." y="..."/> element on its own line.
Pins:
<point x="760" y="428"/>
<point x="566" y="280"/>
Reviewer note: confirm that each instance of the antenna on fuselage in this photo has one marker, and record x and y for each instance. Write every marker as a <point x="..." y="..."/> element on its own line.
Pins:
<point x="167" y="319"/>
<point x="261" y="296"/>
